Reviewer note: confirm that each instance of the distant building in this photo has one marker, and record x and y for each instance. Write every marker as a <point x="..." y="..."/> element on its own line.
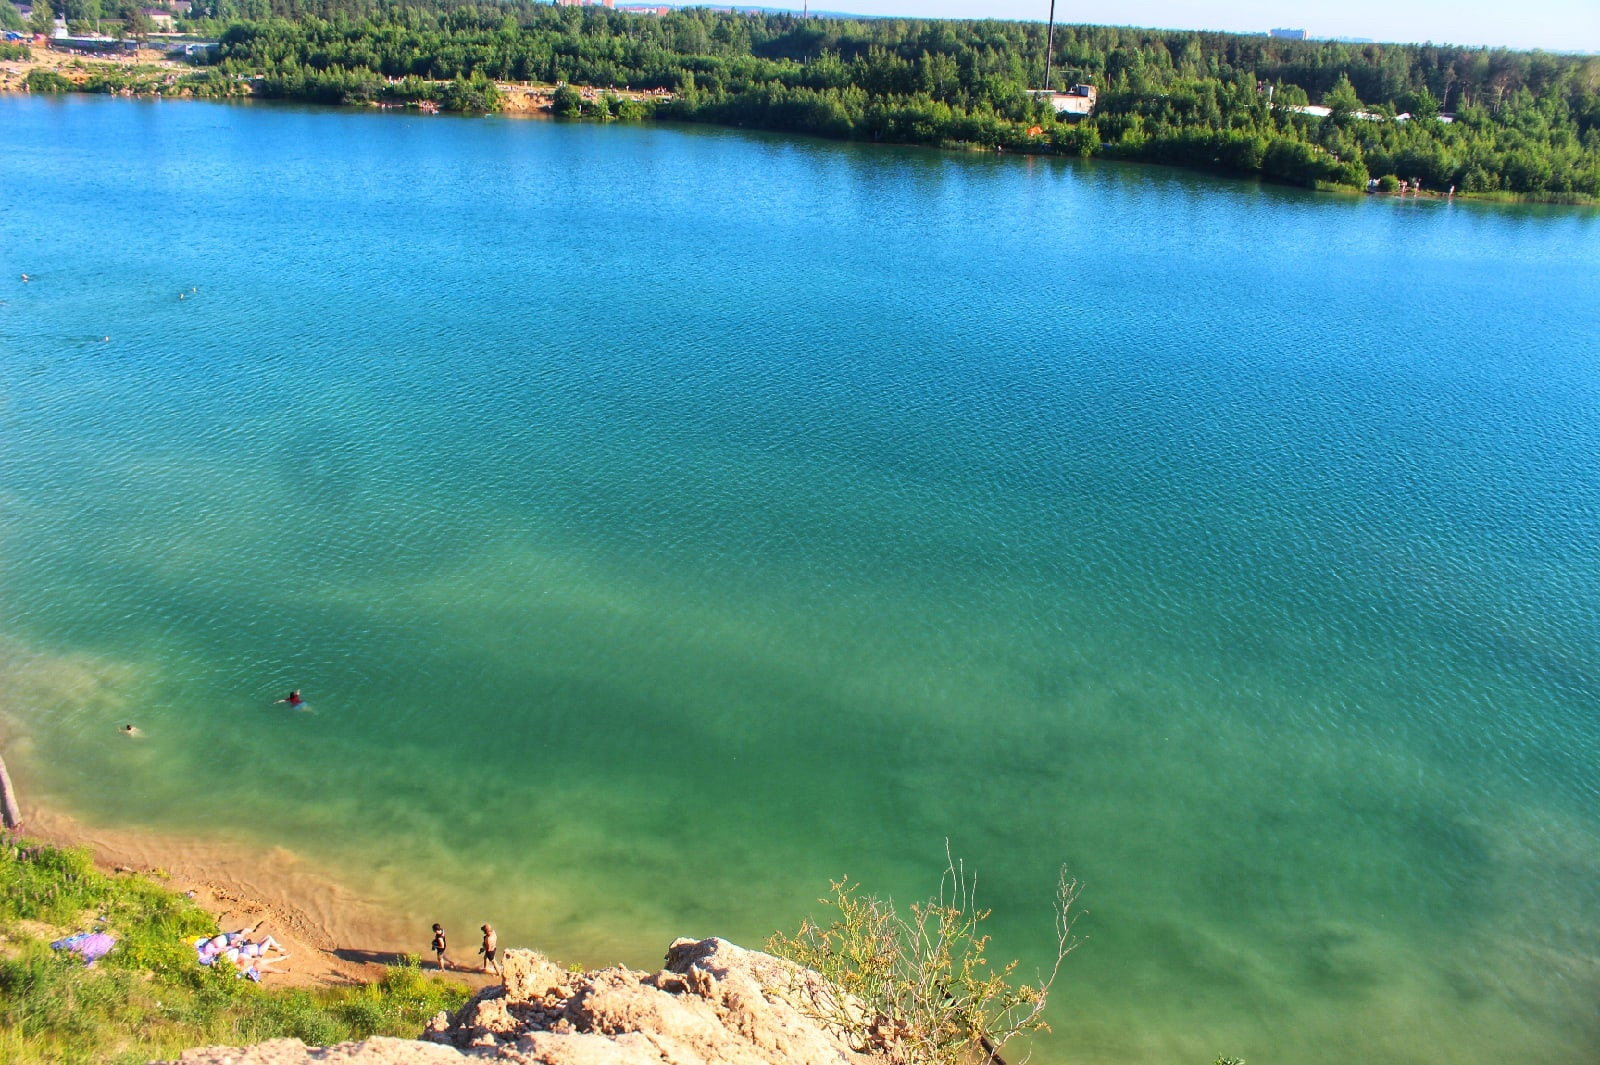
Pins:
<point x="1078" y="100"/>
<point x="639" y="9"/>
<point x="65" y="43"/>
<point x="192" y="49"/>
<point x="159" y="17"/>
<point x="1288" y="35"/>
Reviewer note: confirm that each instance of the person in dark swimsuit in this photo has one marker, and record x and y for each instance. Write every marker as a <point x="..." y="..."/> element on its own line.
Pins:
<point x="439" y="947"/>
<point x="490" y="948"/>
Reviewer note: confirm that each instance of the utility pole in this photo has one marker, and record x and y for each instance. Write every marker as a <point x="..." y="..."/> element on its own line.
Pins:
<point x="1049" y="45"/>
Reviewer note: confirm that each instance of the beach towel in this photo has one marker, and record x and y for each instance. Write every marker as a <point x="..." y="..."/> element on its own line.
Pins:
<point x="91" y="946"/>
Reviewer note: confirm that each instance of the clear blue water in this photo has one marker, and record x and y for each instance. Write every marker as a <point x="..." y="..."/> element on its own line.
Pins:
<point x="661" y="522"/>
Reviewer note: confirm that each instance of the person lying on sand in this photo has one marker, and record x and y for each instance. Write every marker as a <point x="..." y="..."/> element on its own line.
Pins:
<point x="249" y="957"/>
<point x="251" y="948"/>
<point x="234" y="945"/>
<point x="260" y="967"/>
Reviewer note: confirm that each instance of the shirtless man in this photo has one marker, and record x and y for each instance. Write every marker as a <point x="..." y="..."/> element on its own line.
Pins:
<point x="490" y="949"/>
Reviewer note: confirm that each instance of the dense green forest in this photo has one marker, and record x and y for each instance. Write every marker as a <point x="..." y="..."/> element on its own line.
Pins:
<point x="1487" y="121"/>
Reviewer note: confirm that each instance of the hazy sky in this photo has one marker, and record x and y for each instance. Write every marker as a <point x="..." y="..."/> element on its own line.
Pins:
<point x="1554" y="25"/>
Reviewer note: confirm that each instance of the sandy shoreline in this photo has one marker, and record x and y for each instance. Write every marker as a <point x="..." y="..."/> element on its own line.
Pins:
<point x="14" y="72"/>
<point x="336" y="936"/>
<point x="516" y="98"/>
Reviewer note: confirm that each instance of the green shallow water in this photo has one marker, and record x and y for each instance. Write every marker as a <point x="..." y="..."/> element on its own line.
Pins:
<point x="661" y="522"/>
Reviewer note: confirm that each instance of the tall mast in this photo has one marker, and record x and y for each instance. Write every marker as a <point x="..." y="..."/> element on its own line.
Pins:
<point x="1049" y="44"/>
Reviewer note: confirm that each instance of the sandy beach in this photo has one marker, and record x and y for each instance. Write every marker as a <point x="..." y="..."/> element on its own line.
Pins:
<point x="77" y="68"/>
<point x="516" y="98"/>
<point x="335" y="936"/>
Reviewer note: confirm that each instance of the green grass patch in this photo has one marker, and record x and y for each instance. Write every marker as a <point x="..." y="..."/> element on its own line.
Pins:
<point x="149" y="997"/>
<point x="40" y="80"/>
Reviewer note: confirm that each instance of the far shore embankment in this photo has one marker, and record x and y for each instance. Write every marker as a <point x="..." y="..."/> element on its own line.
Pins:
<point x="154" y="73"/>
<point x="516" y="98"/>
<point x="77" y="68"/>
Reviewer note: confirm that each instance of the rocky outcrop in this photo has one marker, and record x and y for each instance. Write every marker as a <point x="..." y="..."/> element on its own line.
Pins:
<point x="713" y="1004"/>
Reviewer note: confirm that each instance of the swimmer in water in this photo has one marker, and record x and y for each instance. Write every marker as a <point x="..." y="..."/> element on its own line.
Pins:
<point x="129" y="730"/>
<point x="293" y="699"/>
<point x="24" y="278"/>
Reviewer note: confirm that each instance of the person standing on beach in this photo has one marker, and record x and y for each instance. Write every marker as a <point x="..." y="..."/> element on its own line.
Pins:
<point x="491" y="943"/>
<point x="439" y="946"/>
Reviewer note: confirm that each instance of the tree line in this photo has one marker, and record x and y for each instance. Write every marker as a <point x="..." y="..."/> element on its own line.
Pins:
<point x="1488" y="121"/>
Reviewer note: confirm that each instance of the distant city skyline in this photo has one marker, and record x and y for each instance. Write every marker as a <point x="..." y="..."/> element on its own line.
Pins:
<point x="1551" y="25"/>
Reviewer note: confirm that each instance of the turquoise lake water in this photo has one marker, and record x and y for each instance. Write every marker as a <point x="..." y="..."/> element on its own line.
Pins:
<point x="661" y="522"/>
